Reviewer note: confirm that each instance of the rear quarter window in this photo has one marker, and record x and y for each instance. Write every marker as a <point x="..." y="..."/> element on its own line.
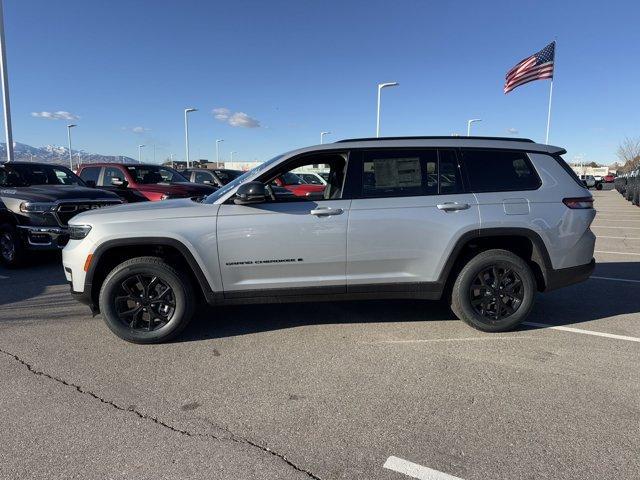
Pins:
<point x="499" y="171"/>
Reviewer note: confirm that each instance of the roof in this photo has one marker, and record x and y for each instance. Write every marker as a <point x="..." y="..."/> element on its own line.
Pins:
<point x="118" y="164"/>
<point x="34" y="164"/>
<point x="368" y="139"/>
<point x="500" y="143"/>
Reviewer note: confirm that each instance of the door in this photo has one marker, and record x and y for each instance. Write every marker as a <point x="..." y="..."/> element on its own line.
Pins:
<point x="289" y="244"/>
<point x="410" y="210"/>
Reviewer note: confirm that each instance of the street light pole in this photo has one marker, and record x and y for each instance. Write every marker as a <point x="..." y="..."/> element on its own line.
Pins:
<point x="186" y="132"/>
<point x="69" y="127"/>
<point x="322" y="134"/>
<point x="232" y="156"/>
<point x="469" y="122"/>
<point x="5" y="89"/>
<point x="218" y="150"/>
<point x="380" y="87"/>
<point x="140" y="153"/>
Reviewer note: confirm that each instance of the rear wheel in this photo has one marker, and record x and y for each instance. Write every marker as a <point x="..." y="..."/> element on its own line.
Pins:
<point x="145" y="300"/>
<point x="11" y="247"/>
<point x="494" y="292"/>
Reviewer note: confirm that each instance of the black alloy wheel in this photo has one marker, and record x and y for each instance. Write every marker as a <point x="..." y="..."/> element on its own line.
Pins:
<point x="496" y="292"/>
<point x="145" y="302"/>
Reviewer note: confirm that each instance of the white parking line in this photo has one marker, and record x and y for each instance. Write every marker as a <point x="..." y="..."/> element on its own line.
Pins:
<point x="414" y="470"/>
<point x="615" y="279"/>
<point x="616" y="253"/>
<point x="615" y="226"/>
<point x="584" y="332"/>
<point x="618" y="238"/>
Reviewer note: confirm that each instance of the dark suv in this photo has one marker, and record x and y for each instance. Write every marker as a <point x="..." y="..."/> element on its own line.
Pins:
<point x="36" y="202"/>
<point x="141" y="182"/>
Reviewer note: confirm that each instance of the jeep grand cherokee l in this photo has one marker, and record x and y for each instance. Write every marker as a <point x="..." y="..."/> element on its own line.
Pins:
<point x="482" y="222"/>
<point x="36" y="202"/>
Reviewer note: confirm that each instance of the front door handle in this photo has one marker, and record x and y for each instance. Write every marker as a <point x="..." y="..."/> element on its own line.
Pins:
<point x="453" y="206"/>
<point x="324" y="211"/>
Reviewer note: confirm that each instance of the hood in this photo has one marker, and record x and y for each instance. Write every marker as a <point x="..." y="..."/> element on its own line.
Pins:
<point x="133" y="212"/>
<point x="52" y="193"/>
<point x="179" y="188"/>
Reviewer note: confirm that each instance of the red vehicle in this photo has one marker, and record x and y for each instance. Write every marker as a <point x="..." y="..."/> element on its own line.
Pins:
<point x="609" y="178"/>
<point x="140" y="182"/>
<point x="296" y="185"/>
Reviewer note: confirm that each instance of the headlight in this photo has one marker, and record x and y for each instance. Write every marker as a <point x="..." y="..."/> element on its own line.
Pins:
<point x="36" y="207"/>
<point x="78" y="232"/>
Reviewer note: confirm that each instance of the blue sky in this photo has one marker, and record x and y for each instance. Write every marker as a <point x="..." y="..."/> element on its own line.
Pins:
<point x="299" y="67"/>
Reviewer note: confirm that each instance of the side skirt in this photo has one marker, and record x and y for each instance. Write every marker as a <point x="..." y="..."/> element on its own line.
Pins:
<point x="418" y="291"/>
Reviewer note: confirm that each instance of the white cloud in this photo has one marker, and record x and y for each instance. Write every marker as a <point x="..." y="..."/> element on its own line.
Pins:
<point x="512" y="131"/>
<point x="59" y="115"/>
<point x="138" y="130"/>
<point x="221" y="114"/>
<point x="236" y="119"/>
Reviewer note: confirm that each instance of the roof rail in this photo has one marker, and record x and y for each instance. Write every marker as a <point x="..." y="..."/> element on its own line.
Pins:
<point x="438" y="137"/>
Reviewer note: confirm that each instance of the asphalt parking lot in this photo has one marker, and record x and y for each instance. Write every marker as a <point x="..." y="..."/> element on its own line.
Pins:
<point x="330" y="391"/>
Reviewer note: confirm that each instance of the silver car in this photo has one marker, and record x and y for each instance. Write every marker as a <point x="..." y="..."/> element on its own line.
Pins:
<point x="484" y="223"/>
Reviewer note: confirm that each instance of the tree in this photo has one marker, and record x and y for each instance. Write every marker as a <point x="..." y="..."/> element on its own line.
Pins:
<point x="629" y="153"/>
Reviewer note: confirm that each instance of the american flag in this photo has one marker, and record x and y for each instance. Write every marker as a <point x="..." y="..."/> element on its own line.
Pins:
<point x="536" y="67"/>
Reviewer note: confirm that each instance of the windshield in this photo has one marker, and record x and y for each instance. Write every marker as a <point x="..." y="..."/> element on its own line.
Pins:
<point x="233" y="184"/>
<point x="152" y="174"/>
<point x="25" y="175"/>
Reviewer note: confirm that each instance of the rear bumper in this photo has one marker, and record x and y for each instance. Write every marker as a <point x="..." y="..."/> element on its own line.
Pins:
<point x="563" y="277"/>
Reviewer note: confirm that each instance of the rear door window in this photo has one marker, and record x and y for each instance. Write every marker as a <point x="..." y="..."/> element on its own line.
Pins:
<point x="406" y="173"/>
<point x="499" y="171"/>
<point x="90" y="174"/>
<point x="109" y="173"/>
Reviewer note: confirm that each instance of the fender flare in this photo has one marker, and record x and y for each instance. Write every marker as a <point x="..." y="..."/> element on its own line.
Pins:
<point x="539" y="254"/>
<point x="103" y="248"/>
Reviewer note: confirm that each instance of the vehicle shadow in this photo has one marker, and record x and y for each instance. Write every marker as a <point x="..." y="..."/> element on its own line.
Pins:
<point x="588" y="301"/>
<point x="230" y="321"/>
<point x="41" y="270"/>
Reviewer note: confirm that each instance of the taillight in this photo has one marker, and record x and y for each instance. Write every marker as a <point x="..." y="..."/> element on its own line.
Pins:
<point x="578" y="202"/>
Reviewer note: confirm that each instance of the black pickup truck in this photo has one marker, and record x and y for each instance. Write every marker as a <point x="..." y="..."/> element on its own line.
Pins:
<point x="36" y="202"/>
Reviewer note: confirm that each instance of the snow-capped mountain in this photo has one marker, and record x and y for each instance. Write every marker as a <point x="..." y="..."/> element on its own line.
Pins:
<point x="57" y="154"/>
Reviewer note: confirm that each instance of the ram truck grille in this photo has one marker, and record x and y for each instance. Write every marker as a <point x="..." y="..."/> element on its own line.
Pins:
<point x="65" y="211"/>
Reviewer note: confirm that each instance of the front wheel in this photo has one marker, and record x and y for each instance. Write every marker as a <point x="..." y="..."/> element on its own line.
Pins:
<point x="494" y="291"/>
<point x="11" y="246"/>
<point x="145" y="300"/>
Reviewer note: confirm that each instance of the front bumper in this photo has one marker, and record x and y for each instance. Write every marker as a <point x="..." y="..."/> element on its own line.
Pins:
<point x="564" y="277"/>
<point x="44" y="238"/>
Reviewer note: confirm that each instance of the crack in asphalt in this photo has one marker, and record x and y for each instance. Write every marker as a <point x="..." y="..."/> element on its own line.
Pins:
<point x="232" y="438"/>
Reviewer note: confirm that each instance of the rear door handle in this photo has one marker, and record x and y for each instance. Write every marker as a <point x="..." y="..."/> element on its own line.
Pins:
<point x="325" y="211"/>
<point x="453" y="206"/>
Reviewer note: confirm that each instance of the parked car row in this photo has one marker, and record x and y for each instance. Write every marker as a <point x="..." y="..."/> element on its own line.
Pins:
<point x="628" y="185"/>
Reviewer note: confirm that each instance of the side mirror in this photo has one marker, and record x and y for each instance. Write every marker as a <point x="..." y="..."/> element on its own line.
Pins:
<point x="91" y="183"/>
<point x="250" y="192"/>
<point x="118" y="182"/>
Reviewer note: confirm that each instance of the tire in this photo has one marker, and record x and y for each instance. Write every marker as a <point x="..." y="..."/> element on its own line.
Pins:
<point x="12" y="250"/>
<point x="468" y="288"/>
<point x="159" y="316"/>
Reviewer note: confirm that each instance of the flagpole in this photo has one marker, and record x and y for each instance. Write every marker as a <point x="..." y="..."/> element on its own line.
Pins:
<point x="549" y="113"/>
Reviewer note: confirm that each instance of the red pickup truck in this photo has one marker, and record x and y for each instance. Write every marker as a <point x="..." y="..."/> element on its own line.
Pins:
<point x="296" y="185"/>
<point x="141" y="182"/>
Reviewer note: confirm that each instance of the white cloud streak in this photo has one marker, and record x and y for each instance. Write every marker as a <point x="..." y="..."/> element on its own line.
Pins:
<point x="235" y="119"/>
<point x="512" y="131"/>
<point x="59" y="115"/>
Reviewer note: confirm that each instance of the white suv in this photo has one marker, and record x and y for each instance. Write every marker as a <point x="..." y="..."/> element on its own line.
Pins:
<point x="482" y="222"/>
